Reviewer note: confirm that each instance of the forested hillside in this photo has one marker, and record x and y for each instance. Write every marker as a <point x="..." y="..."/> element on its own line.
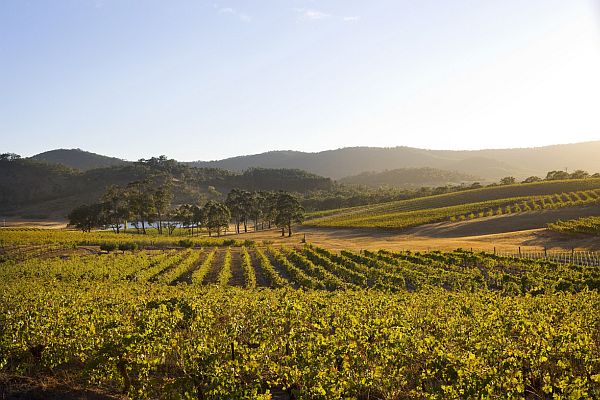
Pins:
<point x="33" y="189"/>
<point x="409" y="178"/>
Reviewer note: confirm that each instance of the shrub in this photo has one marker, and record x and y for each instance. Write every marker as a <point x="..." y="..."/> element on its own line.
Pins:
<point x="186" y="243"/>
<point x="108" y="247"/>
<point x="128" y="246"/>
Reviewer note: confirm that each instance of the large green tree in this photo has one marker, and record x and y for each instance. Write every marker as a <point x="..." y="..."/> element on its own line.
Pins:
<point x="557" y="175"/>
<point x="161" y="198"/>
<point x="140" y="200"/>
<point x="234" y="203"/>
<point x="257" y="208"/>
<point x="508" y="180"/>
<point x="217" y="217"/>
<point x="246" y="202"/>
<point x="115" y="207"/>
<point x="87" y="217"/>
<point x="579" y="174"/>
<point x="288" y="212"/>
<point x="269" y="207"/>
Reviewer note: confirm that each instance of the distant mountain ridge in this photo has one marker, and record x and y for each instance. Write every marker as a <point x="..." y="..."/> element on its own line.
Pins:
<point x="491" y="164"/>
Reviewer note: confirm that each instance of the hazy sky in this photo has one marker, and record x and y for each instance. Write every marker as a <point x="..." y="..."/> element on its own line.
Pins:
<point x="210" y="79"/>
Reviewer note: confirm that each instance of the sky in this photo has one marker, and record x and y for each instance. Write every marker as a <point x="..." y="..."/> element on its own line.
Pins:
<point x="204" y="80"/>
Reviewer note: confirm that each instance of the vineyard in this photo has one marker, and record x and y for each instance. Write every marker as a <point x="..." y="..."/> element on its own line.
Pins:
<point x="404" y="215"/>
<point x="27" y="237"/>
<point x="242" y="320"/>
<point x="490" y="193"/>
<point x="589" y="225"/>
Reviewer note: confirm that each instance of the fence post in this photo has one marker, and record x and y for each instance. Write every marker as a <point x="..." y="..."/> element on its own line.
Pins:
<point x="520" y="255"/>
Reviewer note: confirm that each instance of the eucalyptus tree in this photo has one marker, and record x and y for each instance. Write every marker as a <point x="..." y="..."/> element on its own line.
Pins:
<point x="87" y="217"/>
<point x="246" y="205"/>
<point x="161" y="198"/>
<point x="557" y="175"/>
<point x="140" y="199"/>
<point x="217" y="217"/>
<point x="508" y="180"/>
<point x="234" y="203"/>
<point x="198" y="218"/>
<point x="171" y="220"/>
<point x="184" y="215"/>
<point x="288" y="212"/>
<point x="115" y="207"/>
<point x="579" y="174"/>
<point x="256" y="209"/>
<point x="269" y="207"/>
<point x="532" y="179"/>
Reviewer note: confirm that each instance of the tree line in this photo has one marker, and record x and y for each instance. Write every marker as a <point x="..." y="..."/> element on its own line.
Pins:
<point x="146" y="204"/>
<point x="552" y="176"/>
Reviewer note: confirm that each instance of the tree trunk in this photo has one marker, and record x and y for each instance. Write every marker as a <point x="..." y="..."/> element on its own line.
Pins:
<point x="245" y="226"/>
<point x="289" y="230"/>
<point x="143" y="226"/>
<point x="282" y="232"/>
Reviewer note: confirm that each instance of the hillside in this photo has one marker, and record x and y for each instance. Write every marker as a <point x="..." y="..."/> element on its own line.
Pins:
<point x="29" y="188"/>
<point x="470" y="204"/>
<point x="77" y="159"/>
<point x="490" y="164"/>
<point x="409" y="178"/>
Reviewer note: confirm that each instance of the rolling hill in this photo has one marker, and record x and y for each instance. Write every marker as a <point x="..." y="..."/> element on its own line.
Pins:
<point x="33" y="189"/>
<point x="489" y="164"/>
<point x="78" y="159"/>
<point x="409" y="178"/>
<point x="465" y="205"/>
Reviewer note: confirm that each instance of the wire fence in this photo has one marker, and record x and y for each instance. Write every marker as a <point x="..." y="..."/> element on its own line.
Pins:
<point x="575" y="257"/>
